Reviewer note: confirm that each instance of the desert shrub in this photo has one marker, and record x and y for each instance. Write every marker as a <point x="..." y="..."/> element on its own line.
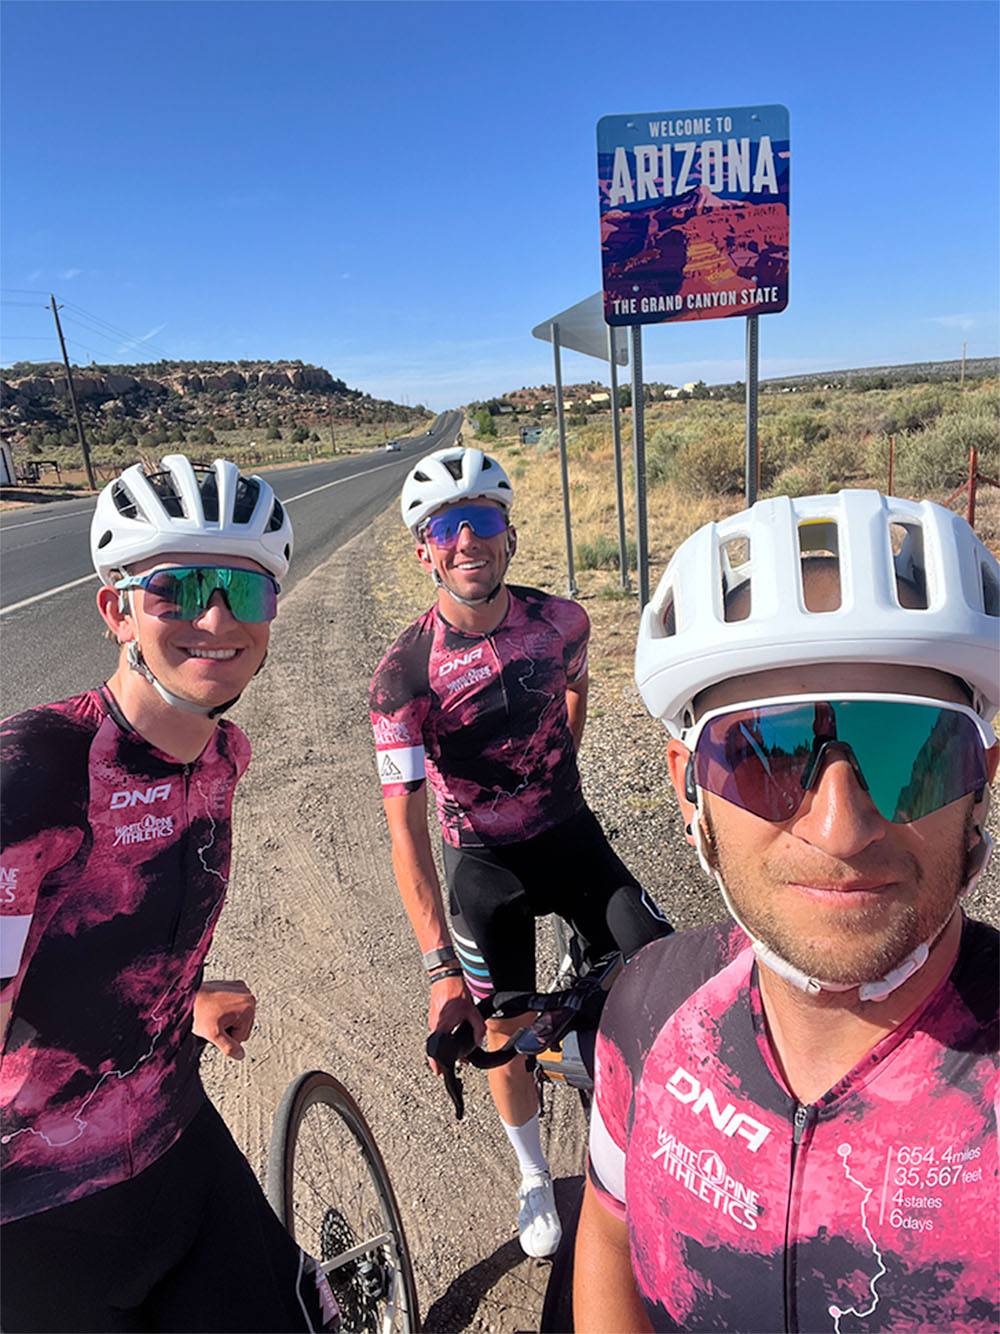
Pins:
<point x="937" y="458"/>
<point x="711" y="465"/>
<point x="602" y="553"/>
<point x="801" y="479"/>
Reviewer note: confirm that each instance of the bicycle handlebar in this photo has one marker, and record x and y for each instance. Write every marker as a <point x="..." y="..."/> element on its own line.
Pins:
<point x="576" y="1007"/>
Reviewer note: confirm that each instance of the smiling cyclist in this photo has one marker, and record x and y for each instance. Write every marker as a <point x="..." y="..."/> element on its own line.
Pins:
<point x="794" y="1125"/>
<point x="126" y="1202"/>
<point x="485" y="698"/>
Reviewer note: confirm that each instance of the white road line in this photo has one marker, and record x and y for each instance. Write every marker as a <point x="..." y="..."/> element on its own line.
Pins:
<point x="51" y="518"/>
<point x="339" y="482"/>
<point x="51" y="592"/>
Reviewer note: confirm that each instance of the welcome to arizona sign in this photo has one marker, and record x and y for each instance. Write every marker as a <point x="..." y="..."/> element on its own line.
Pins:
<point x="694" y="213"/>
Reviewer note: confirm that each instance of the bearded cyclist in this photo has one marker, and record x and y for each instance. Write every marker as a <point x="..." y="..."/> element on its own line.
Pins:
<point x="485" y="698"/>
<point x="794" y="1125"/>
<point x="126" y="1203"/>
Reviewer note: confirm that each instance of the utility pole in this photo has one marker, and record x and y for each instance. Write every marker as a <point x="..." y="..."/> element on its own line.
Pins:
<point x="72" y="395"/>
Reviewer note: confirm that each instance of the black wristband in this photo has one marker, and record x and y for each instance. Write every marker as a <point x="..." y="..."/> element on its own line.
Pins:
<point x="447" y="972"/>
<point x="446" y="954"/>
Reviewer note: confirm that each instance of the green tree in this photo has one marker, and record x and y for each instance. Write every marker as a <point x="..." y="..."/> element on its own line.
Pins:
<point x="486" y="427"/>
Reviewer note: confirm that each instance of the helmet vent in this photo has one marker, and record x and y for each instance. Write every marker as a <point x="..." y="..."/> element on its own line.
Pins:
<point x="820" y="583"/>
<point x="247" y="495"/>
<point x="277" y="517"/>
<point x="736" y="583"/>
<point x="208" y="487"/>
<point x="454" y="466"/>
<point x="991" y="592"/>
<point x="909" y="565"/>
<point x="419" y="476"/>
<point x="124" y="503"/>
<point x="163" y="484"/>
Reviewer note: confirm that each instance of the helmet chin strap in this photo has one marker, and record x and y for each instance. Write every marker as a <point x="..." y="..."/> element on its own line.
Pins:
<point x="137" y="663"/>
<point x="876" y="989"/>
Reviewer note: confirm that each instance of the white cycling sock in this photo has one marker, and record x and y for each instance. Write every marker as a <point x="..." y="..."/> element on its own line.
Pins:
<point x="527" y="1142"/>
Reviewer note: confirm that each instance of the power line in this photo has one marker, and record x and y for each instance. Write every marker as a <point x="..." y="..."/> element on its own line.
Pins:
<point x="135" y="339"/>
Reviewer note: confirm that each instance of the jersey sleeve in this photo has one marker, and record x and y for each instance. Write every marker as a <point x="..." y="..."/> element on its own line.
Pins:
<point x="32" y="776"/>
<point x="577" y="641"/>
<point x="629" y="1023"/>
<point x="398" y="710"/>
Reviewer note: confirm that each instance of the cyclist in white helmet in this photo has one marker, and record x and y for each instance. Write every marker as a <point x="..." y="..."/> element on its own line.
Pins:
<point x="795" y="1112"/>
<point x="484" y="697"/>
<point x="126" y="1202"/>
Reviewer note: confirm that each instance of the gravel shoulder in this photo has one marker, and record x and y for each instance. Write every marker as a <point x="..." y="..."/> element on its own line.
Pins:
<point x="314" y="923"/>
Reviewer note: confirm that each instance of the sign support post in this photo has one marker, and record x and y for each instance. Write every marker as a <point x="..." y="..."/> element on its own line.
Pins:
<point x="571" y="589"/>
<point x="616" y="431"/>
<point x="583" y="328"/>
<point x="639" y="455"/>
<point x="752" y="447"/>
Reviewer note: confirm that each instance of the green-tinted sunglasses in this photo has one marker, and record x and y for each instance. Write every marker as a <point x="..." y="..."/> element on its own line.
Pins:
<point x="183" y="592"/>
<point x="912" y="756"/>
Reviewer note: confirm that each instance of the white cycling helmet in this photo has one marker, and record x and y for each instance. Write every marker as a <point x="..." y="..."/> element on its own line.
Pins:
<point x="448" y="475"/>
<point x="686" y="643"/>
<point x="208" y="511"/>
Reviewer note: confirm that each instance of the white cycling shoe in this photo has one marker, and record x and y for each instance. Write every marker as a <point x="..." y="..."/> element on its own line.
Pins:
<point x="538" y="1225"/>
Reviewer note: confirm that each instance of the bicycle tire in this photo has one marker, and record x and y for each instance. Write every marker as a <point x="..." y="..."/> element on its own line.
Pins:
<point x="327" y="1182"/>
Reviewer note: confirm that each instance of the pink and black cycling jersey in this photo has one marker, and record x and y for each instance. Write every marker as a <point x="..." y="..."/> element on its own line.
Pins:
<point x="873" y="1209"/>
<point x="483" y="718"/>
<point x="115" y="860"/>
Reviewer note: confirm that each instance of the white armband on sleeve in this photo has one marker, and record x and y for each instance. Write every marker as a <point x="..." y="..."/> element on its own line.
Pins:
<point x="13" y="934"/>
<point x="607" y="1160"/>
<point x="401" y="764"/>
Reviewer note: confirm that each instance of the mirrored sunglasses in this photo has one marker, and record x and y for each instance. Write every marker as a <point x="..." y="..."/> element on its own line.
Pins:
<point x="184" y="592"/>
<point x="484" y="520"/>
<point x="911" y="756"/>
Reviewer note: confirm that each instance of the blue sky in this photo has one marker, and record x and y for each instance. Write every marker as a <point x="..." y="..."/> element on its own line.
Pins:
<point x="400" y="192"/>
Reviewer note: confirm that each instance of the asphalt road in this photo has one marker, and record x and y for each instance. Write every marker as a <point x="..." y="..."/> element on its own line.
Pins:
<point x="51" y="642"/>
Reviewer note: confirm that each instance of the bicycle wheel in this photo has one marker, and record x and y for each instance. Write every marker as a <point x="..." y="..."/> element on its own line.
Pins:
<point x="327" y="1182"/>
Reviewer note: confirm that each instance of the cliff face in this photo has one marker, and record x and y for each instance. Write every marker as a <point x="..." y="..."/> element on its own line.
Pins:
<point x="164" y="398"/>
<point x="92" y="384"/>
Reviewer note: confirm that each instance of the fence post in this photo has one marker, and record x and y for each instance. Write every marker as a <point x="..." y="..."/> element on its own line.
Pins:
<point x="973" y="471"/>
<point x="892" y="460"/>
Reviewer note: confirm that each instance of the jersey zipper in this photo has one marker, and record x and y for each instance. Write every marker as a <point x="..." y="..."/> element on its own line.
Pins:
<point x="803" y="1121"/>
<point x="503" y="685"/>
<point x="185" y="852"/>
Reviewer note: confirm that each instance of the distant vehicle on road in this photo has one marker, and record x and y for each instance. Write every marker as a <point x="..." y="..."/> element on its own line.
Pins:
<point x="392" y="446"/>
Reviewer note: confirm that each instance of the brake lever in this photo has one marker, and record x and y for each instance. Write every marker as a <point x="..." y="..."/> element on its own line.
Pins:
<point x="447" y="1049"/>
